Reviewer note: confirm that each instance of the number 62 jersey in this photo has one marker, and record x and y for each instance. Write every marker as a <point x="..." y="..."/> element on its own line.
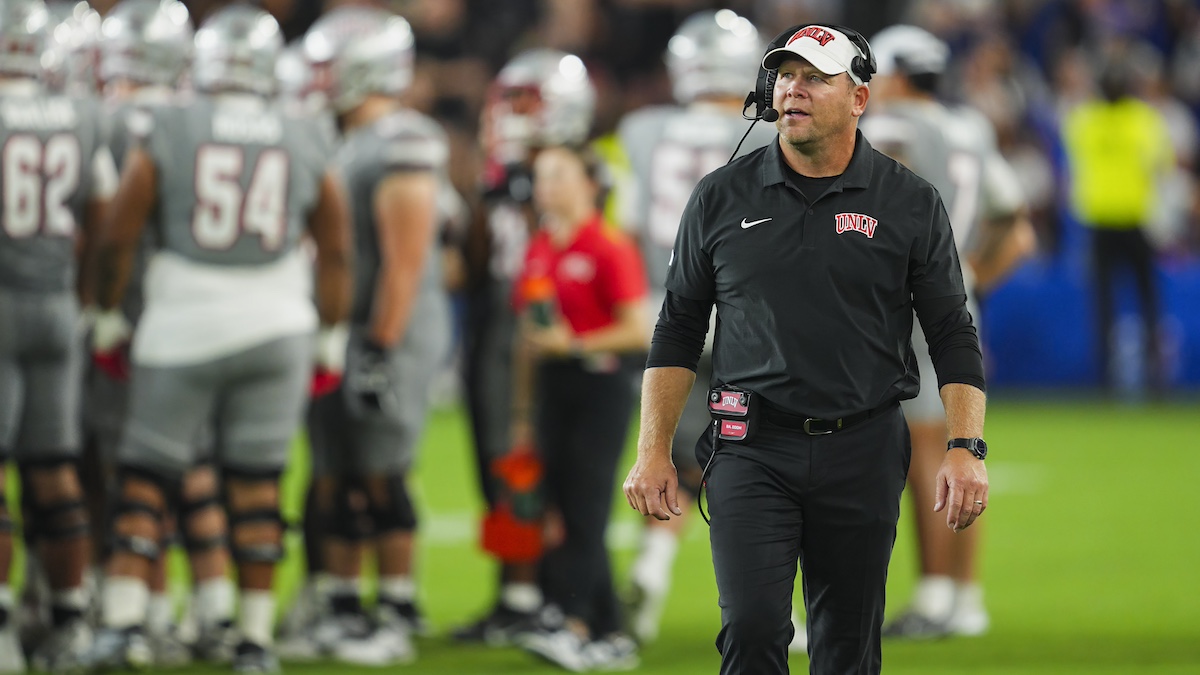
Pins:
<point x="236" y="180"/>
<point x="52" y="161"/>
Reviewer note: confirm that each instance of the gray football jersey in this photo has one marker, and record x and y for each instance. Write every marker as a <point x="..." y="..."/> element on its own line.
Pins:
<point x="670" y="149"/>
<point x="48" y="144"/>
<point x="402" y="141"/>
<point x="955" y="150"/>
<point x="237" y="177"/>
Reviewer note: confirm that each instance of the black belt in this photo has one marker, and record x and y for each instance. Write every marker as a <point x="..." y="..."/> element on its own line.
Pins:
<point x="819" y="427"/>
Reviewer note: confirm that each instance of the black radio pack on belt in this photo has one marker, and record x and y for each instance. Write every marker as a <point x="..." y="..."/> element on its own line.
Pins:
<point x="735" y="413"/>
<point x="735" y="417"/>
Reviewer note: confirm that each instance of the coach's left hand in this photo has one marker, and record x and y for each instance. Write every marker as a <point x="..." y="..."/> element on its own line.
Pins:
<point x="962" y="488"/>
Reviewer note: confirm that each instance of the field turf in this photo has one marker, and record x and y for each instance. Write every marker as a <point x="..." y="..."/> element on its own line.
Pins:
<point x="1091" y="560"/>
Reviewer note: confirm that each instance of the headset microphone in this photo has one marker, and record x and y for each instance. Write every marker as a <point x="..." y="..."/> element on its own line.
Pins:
<point x="770" y="115"/>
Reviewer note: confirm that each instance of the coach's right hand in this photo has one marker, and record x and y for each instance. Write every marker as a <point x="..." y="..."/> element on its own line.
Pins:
<point x="652" y="486"/>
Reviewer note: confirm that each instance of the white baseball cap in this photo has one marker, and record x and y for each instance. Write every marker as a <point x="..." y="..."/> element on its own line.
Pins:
<point x="828" y="49"/>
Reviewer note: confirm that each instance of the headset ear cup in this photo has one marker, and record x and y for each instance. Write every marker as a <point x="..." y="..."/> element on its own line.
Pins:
<point x="768" y="90"/>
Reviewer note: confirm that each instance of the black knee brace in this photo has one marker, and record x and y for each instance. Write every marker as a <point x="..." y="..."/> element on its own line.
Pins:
<point x="256" y="553"/>
<point x="65" y="519"/>
<point x="398" y="513"/>
<point x="144" y="547"/>
<point x="141" y="546"/>
<point x="61" y="520"/>
<point x="192" y="542"/>
<point x="347" y="521"/>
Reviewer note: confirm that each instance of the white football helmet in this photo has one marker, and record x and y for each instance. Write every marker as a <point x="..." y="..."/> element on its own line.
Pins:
<point x="72" y="46"/>
<point x="23" y="28"/>
<point x="365" y="50"/>
<point x="909" y="50"/>
<point x="236" y="50"/>
<point x="146" y="41"/>
<point x="559" y="110"/>
<point x="713" y="54"/>
<point x="297" y="79"/>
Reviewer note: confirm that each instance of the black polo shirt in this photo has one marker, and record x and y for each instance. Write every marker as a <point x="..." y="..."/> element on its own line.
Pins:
<point x="815" y="301"/>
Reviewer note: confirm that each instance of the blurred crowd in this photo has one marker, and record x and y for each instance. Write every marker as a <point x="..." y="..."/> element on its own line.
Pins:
<point x="1023" y="63"/>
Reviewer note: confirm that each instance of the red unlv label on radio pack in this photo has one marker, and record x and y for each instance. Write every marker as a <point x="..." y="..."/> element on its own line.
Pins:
<point x="729" y="402"/>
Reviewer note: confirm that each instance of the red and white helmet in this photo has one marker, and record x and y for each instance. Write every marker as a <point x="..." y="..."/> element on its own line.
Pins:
<point x="541" y="97"/>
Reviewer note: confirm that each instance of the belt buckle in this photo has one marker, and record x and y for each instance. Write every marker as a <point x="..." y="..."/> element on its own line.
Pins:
<point x="808" y="429"/>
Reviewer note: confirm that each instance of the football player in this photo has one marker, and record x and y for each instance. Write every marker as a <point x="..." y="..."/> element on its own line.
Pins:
<point x="57" y="175"/>
<point x="145" y="48"/>
<point x="229" y="321"/>
<point x="365" y="434"/>
<point x="541" y="97"/>
<point x="955" y="150"/>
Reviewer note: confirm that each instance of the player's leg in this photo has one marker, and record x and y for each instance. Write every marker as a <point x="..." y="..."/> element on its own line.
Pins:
<point x="260" y="411"/>
<point x="204" y="530"/>
<point x="48" y="450"/>
<point x="969" y="616"/>
<point x="330" y="608"/>
<point x="106" y="407"/>
<point x="489" y="387"/>
<point x="650" y="573"/>
<point x="161" y="634"/>
<point x="167" y="407"/>
<point x="933" y="599"/>
<point x="386" y="445"/>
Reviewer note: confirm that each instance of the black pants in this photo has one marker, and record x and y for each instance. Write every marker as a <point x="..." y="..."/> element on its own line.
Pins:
<point x="1114" y="249"/>
<point x="488" y="344"/>
<point x="832" y="502"/>
<point x="582" y="422"/>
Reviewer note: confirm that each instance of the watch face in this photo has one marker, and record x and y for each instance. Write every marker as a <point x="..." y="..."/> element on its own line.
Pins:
<point x="977" y="446"/>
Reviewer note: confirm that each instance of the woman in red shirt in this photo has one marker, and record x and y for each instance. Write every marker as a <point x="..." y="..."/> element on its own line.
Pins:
<point x="580" y="297"/>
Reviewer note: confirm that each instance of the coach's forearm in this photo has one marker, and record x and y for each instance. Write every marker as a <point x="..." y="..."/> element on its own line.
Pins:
<point x="664" y="393"/>
<point x="965" y="406"/>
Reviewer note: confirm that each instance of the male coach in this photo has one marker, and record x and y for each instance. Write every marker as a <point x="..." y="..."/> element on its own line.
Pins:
<point x="815" y="250"/>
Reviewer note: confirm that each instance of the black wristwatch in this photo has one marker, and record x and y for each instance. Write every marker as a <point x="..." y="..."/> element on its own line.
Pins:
<point x="977" y="446"/>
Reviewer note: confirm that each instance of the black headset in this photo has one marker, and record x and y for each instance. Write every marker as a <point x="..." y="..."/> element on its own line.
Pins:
<point x="863" y="66"/>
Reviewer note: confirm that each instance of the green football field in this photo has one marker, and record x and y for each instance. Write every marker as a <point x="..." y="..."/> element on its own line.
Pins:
<point x="1091" y="561"/>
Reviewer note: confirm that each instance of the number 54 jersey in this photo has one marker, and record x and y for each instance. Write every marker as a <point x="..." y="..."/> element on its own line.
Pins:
<point x="237" y="178"/>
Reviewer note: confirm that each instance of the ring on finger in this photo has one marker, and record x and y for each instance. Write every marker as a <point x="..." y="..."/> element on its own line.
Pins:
<point x="979" y="502"/>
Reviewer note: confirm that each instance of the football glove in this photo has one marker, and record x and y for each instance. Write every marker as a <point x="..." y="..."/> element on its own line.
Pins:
<point x="330" y="360"/>
<point x="369" y="380"/>
<point x="111" y="333"/>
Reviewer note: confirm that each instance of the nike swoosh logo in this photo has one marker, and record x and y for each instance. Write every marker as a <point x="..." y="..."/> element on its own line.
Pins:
<point x="747" y="225"/>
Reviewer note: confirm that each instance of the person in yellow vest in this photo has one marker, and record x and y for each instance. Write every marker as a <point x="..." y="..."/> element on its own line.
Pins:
<point x="1118" y="149"/>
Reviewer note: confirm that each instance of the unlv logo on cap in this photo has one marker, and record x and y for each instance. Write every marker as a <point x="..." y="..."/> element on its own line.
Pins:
<point x="817" y="33"/>
<point x="856" y="222"/>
